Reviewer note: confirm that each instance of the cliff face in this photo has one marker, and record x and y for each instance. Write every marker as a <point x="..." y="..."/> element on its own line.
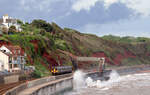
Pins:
<point x="116" y="52"/>
<point x="42" y="46"/>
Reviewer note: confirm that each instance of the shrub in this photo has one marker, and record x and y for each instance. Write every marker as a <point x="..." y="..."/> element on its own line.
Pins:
<point x="12" y="30"/>
<point x="42" y="25"/>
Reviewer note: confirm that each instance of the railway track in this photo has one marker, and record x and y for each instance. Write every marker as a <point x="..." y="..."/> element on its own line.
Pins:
<point x="6" y="87"/>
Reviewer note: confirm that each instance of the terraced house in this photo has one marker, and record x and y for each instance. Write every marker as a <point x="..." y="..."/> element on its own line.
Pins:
<point x="12" y="58"/>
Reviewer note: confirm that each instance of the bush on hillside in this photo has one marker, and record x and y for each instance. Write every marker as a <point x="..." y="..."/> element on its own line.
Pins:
<point x="42" y="25"/>
<point x="19" y="22"/>
<point x="4" y="30"/>
<point x="12" y="30"/>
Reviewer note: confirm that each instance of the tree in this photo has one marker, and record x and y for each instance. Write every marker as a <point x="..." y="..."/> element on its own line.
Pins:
<point x="12" y="30"/>
<point x="42" y="25"/>
<point x="19" y="22"/>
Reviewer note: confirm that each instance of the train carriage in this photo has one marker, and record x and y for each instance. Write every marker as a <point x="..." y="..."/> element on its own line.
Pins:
<point x="58" y="70"/>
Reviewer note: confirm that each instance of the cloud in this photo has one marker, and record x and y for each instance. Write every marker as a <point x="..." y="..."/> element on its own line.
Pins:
<point x="139" y="6"/>
<point x="83" y="4"/>
<point x="41" y="5"/>
<point x="97" y="14"/>
<point x="132" y="27"/>
<point x="28" y="10"/>
<point x="107" y="3"/>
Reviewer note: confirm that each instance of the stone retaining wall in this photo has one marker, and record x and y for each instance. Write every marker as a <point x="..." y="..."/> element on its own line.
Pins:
<point x="9" y="79"/>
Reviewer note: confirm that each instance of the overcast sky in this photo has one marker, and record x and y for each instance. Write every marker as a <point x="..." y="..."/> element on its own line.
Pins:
<point x="100" y="17"/>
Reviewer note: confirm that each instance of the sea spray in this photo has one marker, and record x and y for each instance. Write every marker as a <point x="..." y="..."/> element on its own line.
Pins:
<point x="114" y="77"/>
<point x="120" y="85"/>
<point x="89" y="82"/>
<point x="78" y="80"/>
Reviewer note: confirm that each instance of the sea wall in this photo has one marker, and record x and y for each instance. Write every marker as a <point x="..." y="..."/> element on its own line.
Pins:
<point x="31" y="84"/>
<point x="54" y="88"/>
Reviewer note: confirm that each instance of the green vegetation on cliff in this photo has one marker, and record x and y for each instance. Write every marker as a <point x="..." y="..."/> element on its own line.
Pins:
<point x="126" y="39"/>
<point x="36" y="39"/>
<point x="40" y="41"/>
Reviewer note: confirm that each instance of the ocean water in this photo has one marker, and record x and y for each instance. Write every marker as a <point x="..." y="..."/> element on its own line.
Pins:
<point x="133" y="84"/>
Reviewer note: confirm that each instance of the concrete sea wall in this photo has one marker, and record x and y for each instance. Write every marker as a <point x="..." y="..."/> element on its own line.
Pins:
<point x="54" y="82"/>
<point x="54" y="88"/>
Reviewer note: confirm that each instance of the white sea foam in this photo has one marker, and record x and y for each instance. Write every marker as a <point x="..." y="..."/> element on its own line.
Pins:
<point x="116" y="83"/>
<point x="78" y="80"/>
<point x="114" y="78"/>
<point x="122" y="81"/>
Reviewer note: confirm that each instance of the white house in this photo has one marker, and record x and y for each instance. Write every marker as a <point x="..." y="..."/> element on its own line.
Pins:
<point x="4" y="62"/>
<point x="11" y="58"/>
<point x="7" y="21"/>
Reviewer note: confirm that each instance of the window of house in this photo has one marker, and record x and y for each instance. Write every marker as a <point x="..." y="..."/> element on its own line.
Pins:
<point x="18" y="51"/>
<point x="10" y="66"/>
<point x="10" y="59"/>
<point x="14" y="51"/>
<point x="15" y="58"/>
<point x="22" y="59"/>
<point x="15" y="65"/>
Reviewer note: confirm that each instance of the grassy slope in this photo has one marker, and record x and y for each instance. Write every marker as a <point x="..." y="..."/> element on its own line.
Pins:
<point x="42" y="48"/>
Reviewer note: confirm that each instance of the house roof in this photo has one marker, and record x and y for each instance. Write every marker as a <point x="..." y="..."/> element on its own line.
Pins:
<point x="6" y="53"/>
<point x="16" y="50"/>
